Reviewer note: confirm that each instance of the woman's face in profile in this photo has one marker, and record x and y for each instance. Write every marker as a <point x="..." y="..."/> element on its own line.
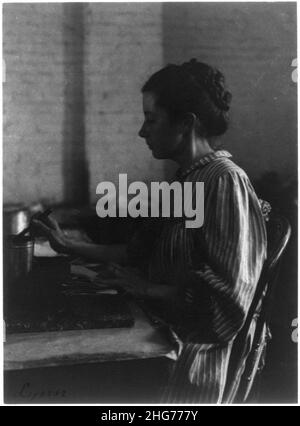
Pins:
<point x="161" y="135"/>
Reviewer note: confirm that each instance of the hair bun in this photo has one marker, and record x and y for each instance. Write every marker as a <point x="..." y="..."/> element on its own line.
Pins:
<point x="226" y="100"/>
<point x="211" y="80"/>
<point x="217" y="90"/>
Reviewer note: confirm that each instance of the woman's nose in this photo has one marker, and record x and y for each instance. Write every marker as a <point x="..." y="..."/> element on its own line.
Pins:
<point x="142" y="132"/>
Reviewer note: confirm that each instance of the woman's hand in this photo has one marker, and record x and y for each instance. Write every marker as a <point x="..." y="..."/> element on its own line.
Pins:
<point x="127" y="279"/>
<point x="50" y="229"/>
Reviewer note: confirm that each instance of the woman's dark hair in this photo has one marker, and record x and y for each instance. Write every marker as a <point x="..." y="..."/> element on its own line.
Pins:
<point x="193" y="87"/>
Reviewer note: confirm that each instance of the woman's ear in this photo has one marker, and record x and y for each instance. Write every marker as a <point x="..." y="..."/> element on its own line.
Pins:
<point x="193" y="124"/>
<point x="190" y="122"/>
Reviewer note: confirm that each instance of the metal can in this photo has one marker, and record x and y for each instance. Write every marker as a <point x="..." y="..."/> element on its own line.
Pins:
<point x="18" y="257"/>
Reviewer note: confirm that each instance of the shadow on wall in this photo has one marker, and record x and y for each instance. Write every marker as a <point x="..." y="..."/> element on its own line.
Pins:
<point x="74" y="165"/>
<point x="254" y="45"/>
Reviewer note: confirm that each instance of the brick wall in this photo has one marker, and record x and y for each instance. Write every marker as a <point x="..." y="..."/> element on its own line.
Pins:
<point x="72" y="105"/>
<point x="33" y="102"/>
<point x="73" y="91"/>
<point x="123" y="48"/>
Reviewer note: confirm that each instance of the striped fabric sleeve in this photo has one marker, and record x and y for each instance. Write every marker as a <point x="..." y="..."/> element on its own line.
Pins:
<point x="235" y="243"/>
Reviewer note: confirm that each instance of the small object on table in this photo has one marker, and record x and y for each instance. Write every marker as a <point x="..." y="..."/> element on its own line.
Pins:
<point x="18" y="257"/>
<point x="42" y="248"/>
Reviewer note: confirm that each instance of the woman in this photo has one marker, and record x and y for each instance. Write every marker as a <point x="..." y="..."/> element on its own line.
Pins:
<point x="201" y="280"/>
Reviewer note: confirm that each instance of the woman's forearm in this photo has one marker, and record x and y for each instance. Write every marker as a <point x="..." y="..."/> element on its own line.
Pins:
<point x="104" y="253"/>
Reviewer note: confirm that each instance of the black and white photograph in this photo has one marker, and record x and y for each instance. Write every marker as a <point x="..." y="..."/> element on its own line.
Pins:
<point x="149" y="205"/>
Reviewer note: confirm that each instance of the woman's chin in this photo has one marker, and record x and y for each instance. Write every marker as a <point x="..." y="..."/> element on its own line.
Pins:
<point x="158" y="155"/>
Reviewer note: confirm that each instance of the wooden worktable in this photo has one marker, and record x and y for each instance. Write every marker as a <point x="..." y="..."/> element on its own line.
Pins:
<point x="109" y="365"/>
<point x="47" y="349"/>
<point x="115" y="365"/>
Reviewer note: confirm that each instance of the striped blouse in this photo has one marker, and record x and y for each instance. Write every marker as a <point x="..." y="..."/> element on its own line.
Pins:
<point x="215" y="269"/>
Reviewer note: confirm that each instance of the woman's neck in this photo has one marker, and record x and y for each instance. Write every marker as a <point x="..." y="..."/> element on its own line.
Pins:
<point x="195" y="150"/>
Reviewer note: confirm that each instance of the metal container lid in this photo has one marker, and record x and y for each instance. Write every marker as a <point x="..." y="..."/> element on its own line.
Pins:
<point x="19" y="242"/>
